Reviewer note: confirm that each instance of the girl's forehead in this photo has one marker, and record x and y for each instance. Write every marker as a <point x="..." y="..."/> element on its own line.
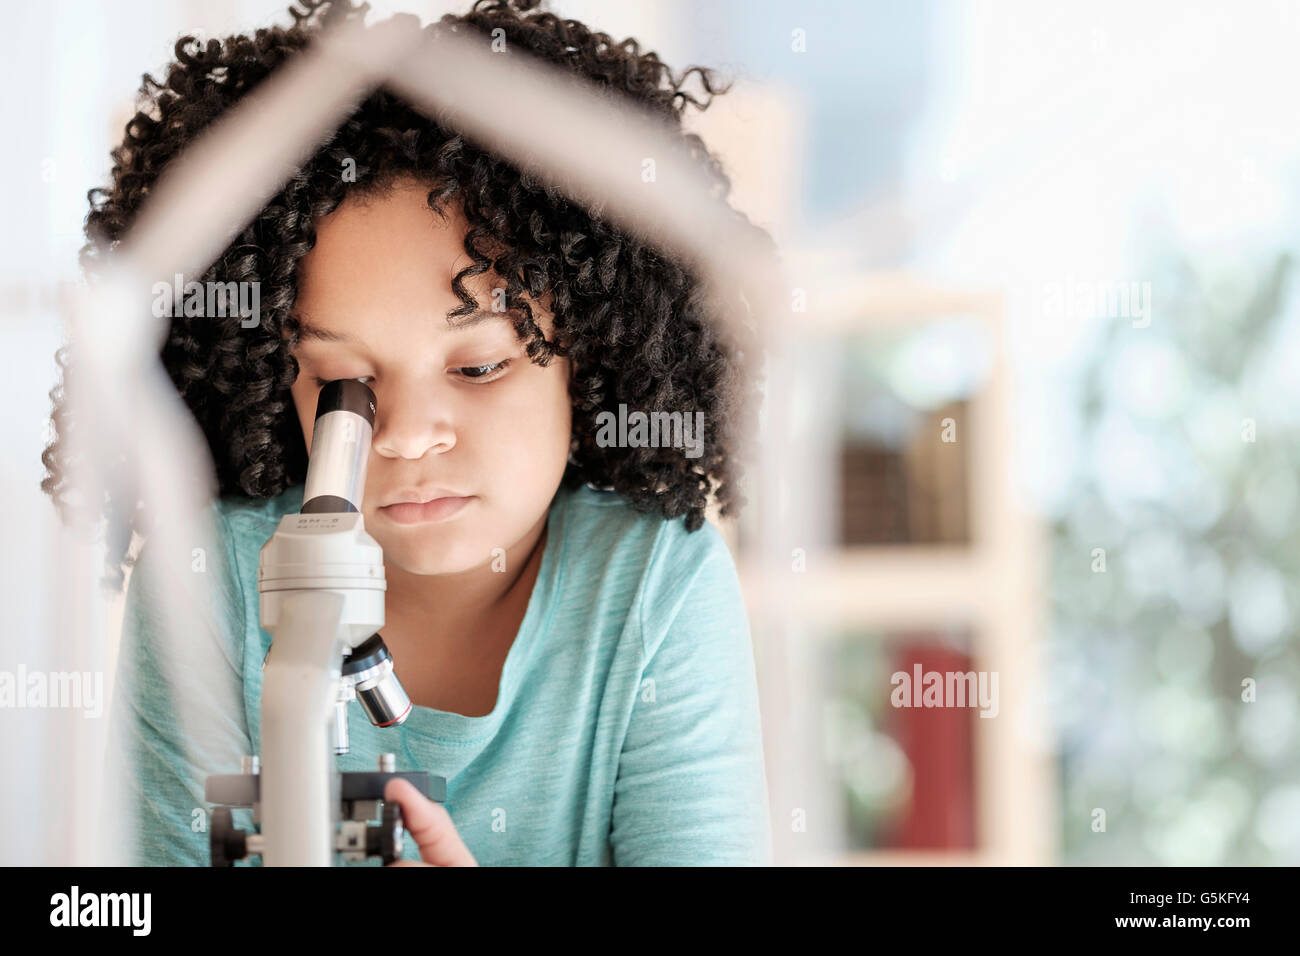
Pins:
<point x="386" y="253"/>
<point x="388" y="220"/>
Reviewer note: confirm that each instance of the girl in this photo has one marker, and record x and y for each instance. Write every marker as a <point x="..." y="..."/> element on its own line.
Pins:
<point x="569" y="628"/>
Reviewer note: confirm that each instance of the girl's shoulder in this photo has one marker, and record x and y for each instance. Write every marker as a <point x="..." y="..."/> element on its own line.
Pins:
<point x="605" y="523"/>
<point x="243" y="515"/>
<point x="666" y="568"/>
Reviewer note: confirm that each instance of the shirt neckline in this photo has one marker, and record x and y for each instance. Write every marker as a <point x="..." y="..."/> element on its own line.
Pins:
<point x="448" y="727"/>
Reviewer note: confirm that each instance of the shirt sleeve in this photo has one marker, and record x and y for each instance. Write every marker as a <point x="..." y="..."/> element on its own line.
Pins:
<point x="169" y="751"/>
<point x="691" y="787"/>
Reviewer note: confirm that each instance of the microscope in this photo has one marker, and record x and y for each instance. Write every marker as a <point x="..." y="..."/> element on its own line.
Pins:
<point x="320" y="584"/>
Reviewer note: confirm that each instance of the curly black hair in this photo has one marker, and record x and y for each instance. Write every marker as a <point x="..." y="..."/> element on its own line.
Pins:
<point x="634" y="320"/>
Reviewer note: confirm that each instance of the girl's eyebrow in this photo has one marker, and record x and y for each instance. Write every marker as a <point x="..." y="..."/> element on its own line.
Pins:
<point x="472" y="320"/>
<point x="308" y="331"/>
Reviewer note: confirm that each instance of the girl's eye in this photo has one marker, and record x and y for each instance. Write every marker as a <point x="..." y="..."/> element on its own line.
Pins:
<point x="481" y="373"/>
<point x="322" y="382"/>
<point x="475" y="373"/>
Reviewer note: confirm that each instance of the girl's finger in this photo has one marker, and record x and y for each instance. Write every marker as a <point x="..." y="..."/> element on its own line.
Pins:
<point x="430" y="825"/>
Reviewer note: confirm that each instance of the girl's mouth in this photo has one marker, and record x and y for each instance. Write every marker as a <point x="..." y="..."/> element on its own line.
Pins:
<point x="439" y="509"/>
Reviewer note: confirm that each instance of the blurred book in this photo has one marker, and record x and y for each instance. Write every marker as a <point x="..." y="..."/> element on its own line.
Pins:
<point x="939" y="745"/>
<point x="916" y="494"/>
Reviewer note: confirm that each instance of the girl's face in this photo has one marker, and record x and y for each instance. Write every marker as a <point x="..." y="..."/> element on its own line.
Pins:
<point x="461" y="411"/>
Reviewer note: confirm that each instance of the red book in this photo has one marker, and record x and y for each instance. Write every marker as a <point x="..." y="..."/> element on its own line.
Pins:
<point x="938" y="743"/>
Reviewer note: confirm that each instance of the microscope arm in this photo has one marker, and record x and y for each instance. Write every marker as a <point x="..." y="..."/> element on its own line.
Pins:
<point x="299" y="684"/>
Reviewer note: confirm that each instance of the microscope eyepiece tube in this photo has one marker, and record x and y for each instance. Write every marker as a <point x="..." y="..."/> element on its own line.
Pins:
<point x="340" y="448"/>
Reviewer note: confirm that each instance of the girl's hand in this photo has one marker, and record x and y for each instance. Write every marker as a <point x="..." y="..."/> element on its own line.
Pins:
<point x="430" y="825"/>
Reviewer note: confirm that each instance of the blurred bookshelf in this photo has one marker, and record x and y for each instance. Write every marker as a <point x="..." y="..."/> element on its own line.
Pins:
<point x="931" y="562"/>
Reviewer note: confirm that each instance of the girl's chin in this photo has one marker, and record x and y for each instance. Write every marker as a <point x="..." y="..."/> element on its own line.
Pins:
<point x="424" y="550"/>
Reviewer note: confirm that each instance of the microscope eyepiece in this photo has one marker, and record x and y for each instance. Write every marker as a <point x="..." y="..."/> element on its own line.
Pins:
<point x="340" y="448"/>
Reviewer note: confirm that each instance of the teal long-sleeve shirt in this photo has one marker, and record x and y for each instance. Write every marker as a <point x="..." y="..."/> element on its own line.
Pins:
<point x="626" y="729"/>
